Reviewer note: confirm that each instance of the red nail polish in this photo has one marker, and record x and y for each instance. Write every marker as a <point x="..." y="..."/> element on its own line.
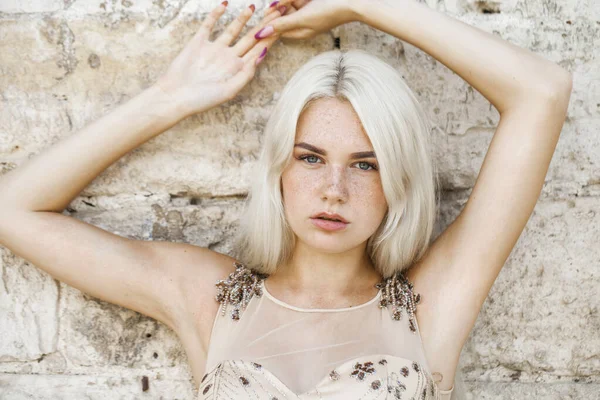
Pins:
<point x="252" y="7"/>
<point x="225" y="3"/>
<point x="264" y="32"/>
<point x="273" y="4"/>
<point x="262" y="56"/>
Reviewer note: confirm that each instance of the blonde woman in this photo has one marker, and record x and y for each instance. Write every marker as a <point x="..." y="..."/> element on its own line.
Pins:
<point x="335" y="290"/>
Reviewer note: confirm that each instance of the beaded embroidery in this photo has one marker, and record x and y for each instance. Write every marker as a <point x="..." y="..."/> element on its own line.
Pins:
<point x="238" y="289"/>
<point x="230" y="375"/>
<point x="398" y="292"/>
<point x="242" y="284"/>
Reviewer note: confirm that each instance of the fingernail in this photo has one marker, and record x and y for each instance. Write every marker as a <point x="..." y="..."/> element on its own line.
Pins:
<point x="273" y="4"/>
<point x="225" y="3"/>
<point x="282" y="9"/>
<point x="262" y="56"/>
<point x="264" y="32"/>
<point x="252" y="7"/>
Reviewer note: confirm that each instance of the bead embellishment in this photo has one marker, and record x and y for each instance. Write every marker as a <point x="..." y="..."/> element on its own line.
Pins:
<point x="242" y="284"/>
<point x="238" y="289"/>
<point x="416" y="366"/>
<point x="397" y="292"/>
<point x="404" y="371"/>
<point x="334" y="376"/>
<point x="376" y="384"/>
<point x="257" y="366"/>
<point x="361" y="370"/>
<point x="398" y="380"/>
<point x="207" y="388"/>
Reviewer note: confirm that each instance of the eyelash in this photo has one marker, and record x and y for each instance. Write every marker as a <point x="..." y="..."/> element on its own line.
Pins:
<point x="373" y="166"/>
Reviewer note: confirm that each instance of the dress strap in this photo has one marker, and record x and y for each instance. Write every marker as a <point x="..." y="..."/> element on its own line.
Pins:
<point x="238" y="289"/>
<point x="397" y="291"/>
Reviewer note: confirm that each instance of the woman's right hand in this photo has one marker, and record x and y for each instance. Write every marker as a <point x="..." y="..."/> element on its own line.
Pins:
<point x="206" y="74"/>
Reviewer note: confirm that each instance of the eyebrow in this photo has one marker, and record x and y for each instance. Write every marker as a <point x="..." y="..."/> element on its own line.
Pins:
<point x="353" y="156"/>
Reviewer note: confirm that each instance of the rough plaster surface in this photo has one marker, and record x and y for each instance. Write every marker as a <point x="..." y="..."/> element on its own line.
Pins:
<point x="66" y="63"/>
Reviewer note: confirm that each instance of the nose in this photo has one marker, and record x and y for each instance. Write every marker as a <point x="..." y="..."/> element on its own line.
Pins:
<point x="335" y="185"/>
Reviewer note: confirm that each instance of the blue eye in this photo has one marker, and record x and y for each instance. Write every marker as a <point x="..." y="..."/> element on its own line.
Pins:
<point x="307" y="157"/>
<point x="372" y="167"/>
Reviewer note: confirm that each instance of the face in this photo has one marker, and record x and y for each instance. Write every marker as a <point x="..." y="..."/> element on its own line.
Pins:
<point x="329" y="178"/>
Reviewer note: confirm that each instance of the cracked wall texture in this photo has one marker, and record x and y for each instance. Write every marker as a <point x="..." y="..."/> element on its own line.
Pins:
<point x="65" y="63"/>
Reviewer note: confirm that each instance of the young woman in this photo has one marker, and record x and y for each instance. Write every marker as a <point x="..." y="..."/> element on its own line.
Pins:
<point x="333" y="258"/>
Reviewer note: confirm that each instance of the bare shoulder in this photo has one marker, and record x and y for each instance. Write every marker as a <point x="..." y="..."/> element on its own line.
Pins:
<point x="196" y="270"/>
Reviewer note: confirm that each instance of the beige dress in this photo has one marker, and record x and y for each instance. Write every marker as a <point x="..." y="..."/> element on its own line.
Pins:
<point x="263" y="348"/>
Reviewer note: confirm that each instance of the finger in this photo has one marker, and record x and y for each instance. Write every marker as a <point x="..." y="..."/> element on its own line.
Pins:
<point x="296" y="4"/>
<point x="211" y="19"/>
<point x="299" y="3"/>
<point x="248" y="41"/>
<point x="275" y="5"/>
<point x="245" y="75"/>
<point x="289" y="10"/>
<point x="234" y="29"/>
<point x="287" y="23"/>
<point x="272" y="6"/>
<point x="252" y="55"/>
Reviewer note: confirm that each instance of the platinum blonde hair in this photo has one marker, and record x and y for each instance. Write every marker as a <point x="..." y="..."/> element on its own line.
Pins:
<point x="399" y="131"/>
<point x="400" y="134"/>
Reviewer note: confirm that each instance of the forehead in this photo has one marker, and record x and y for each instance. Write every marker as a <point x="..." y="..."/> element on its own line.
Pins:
<point x="330" y="122"/>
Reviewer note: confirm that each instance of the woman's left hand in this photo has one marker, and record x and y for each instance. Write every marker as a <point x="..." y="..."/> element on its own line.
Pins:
<point x="304" y="19"/>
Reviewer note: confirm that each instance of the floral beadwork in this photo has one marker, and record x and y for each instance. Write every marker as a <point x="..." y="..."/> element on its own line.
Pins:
<point x="360" y="370"/>
<point x="395" y="386"/>
<point x="238" y="289"/>
<point x="397" y="291"/>
<point x="399" y="378"/>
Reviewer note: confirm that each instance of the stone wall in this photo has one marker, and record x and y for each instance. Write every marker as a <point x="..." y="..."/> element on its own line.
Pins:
<point x="64" y="63"/>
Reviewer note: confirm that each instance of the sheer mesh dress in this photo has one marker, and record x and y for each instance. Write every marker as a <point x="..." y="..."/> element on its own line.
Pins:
<point x="263" y="348"/>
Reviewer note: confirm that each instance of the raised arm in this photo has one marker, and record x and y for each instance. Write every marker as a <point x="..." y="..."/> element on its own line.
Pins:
<point x="531" y="95"/>
<point x="148" y="277"/>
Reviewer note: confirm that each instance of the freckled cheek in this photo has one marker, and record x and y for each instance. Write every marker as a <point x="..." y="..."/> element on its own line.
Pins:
<point x="297" y="185"/>
<point x="367" y="196"/>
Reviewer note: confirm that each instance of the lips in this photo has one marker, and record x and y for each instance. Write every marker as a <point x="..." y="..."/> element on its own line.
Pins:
<point x="330" y="216"/>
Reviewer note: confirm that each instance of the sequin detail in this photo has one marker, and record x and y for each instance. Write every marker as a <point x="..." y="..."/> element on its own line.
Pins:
<point x="369" y="382"/>
<point x="238" y="289"/>
<point x="244" y="381"/>
<point x="404" y="371"/>
<point x="207" y="388"/>
<point x="361" y="370"/>
<point x="397" y="292"/>
<point x="257" y="366"/>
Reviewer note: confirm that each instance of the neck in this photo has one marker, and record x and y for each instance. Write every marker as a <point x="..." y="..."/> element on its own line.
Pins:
<point x="316" y="277"/>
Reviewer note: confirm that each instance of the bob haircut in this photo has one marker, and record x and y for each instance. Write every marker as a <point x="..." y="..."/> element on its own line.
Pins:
<point x="399" y="132"/>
